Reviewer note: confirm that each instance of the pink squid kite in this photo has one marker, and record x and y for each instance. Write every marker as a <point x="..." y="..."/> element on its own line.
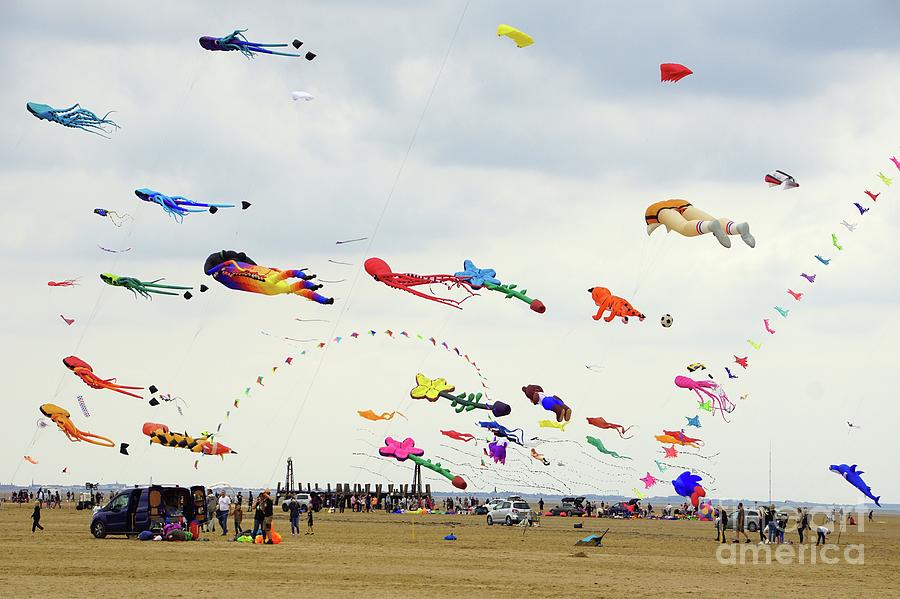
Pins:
<point x="711" y="389"/>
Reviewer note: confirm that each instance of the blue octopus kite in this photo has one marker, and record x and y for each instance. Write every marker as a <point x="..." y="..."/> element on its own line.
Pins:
<point x="236" y="41"/>
<point x="73" y="116"/>
<point x="174" y="206"/>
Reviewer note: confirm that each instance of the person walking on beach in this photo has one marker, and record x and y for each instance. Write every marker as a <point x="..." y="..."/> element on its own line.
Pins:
<point x="739" y="525"/>
<point x="294" y="515"/>
<point x="309" y="522"/>
<point x="36" y="517"/>
<point x="222" y="511"/>
<point x="211" y="507"/>
<point x="238" y="512"/>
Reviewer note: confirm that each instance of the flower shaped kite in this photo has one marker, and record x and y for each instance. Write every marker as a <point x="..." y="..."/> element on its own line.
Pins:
<point x="430" y="389"/>
<point x="400" y="450"/>
<point x="477" y="277"/>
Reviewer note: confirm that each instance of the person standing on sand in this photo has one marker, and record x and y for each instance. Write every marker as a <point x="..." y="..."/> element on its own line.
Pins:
<point x="724" y="512"/>
<point x="238" y="516"/>
<point x="541" y="505"/>
<point x="294" y="514"/>
<point x="309" y="522"/>
<point x="268" y="513"/>
<point x="739" y="525"/>
<point x="259" y="514"/>
<point x="223" y="508"/>
<point x="36" y="517"/>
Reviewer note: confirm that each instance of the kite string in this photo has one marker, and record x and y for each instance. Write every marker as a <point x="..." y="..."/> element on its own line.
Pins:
<point x="378" y="222"/>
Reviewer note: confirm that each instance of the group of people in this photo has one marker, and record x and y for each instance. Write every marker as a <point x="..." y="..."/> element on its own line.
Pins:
<point x="222" y="506"/>
<point x="771" y="525"/>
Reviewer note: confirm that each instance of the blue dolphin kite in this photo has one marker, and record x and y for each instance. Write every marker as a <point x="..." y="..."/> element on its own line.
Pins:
<point x="852" y="476"/>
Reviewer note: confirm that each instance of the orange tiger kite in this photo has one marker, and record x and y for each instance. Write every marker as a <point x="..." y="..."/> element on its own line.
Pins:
<point x="616" y="305"/>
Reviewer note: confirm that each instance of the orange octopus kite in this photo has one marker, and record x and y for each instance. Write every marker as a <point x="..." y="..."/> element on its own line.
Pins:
<point x="84" y="371"/>
<point x="61" y="418"/>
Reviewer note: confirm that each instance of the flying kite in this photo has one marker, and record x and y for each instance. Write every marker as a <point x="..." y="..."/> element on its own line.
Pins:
<point x="860" y="208"/>
<point x="179" y="206"/>
<point x="504" y="433"/>
<point x="781" y="178"/>
<point x="601" y="422"/>
<point x="768" y="328"/>
<point x="824" y="261"/>
<point x="301" y="96"/>
<point x="679" y="438"/>
<point x="784" y="312"/>
<point x="539" y="457"/>
<point x="66" y="283"/>
<point x="205" y="444"/>
<point x="672" y="71"/>
<point x="671" y="452"/>
<point x="742" y="362"/>
<point x="406" y="449"/>
<point x="810" y="278"/>
<point x="61" y="417"/>
<point x="497" y="452"/>
<point x="795" y="294"/>
<point x="730" y="374"/>
<point x="600" y="447"/>
<point x="464" y="437"/>
<point x="114" y="217"/>
<point x="370" y="415"/>
<point x="74" y="116"/>
<point x="688" y="485"/>
<point x="852" y="476"/>
<point x="236" y="41"/>
<point x="432" y="389"/>
<point x="873" y="196"/>
<point x="693" y="421"/>
<point x="143" y="288"/>
<point x="84" y="371"/>
<point x="616" y="305"/>
<point x="850" y="227"/>
<point x="68" y="321"/>
<point x="885" y="179"/>
<point x="683" y="218"/>
<point x="711" y="389"/>
<point x="470" y="279"/>
<point x="648" y="480"/>
<point x="754" y="344"/>
<point x="834" y="242"/>
<point x="237" y="271"/>
<point x="696" y="366"/>
<point x="521" y="38"/>
<point x="553" y="424"/>
<point x="896" y="162"/>
<point x="551" y="403"/>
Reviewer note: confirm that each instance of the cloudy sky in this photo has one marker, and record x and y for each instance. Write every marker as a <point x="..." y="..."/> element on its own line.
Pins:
<point x="441" y="142"/>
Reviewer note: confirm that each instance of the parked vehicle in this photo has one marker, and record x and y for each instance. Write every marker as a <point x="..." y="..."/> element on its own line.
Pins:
<point x="85" y="501"/>
<point x="132" y="511"/>
<point x="304" y="499"/>
<point x="620" y="510"/>
<point x="568" y="509"/>
<point x="753" y="519"/>
<point x="509" y="513"/>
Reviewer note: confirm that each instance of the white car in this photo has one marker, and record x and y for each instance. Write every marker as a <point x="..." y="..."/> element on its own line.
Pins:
<point x="302" y="498"/>
<point x="509" y="512"/>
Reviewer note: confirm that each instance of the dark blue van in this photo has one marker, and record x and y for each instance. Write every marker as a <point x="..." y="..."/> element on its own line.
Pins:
<point x="132" y="511"/>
